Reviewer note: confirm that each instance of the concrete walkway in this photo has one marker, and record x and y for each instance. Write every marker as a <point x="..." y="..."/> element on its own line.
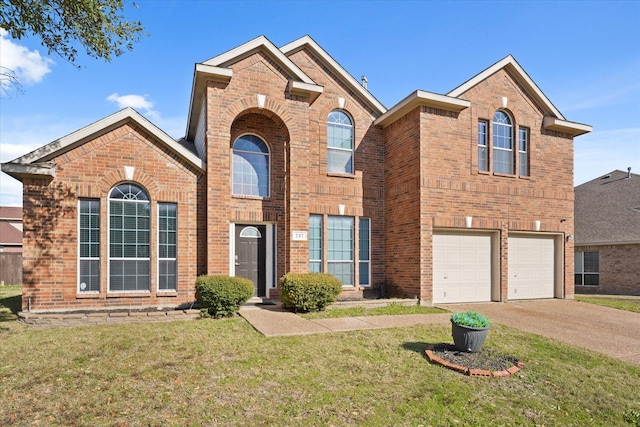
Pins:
<point x="601" y="329"/>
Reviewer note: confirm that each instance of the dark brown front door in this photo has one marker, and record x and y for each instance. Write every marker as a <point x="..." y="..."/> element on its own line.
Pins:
<point x="251" y="244"/>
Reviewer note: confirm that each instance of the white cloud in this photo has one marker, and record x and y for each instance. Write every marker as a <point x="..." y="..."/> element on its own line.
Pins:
<point x="137" y="102"/>
<point x="28" y="65"/>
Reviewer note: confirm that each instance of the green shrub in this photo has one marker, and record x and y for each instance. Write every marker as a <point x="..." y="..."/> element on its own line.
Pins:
<point x="470" y="318"/>
<point x="309" y="292"/>
<point x="222" y="296"/>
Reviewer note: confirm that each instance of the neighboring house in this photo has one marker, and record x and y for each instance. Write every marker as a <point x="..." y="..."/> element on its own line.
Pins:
<point x="607" y="234"/>
<point x="10" y="245"/>
<point x="290" y="165"/>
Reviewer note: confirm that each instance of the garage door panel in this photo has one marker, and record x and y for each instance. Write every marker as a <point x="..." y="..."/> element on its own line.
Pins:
<point x="461" y="268"/>
<point x="531" y="267"/>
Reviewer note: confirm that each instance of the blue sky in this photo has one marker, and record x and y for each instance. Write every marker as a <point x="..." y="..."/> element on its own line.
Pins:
<point x="585" y="56"/>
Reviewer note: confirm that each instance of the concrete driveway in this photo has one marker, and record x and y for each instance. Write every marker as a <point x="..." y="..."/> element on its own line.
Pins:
<point x="601" y="329"/>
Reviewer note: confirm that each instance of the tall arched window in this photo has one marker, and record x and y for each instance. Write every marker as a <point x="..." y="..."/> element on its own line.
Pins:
<point x="250" y="166"/>
<point x="502" y="143"/>
<point x="129" y="239"/>
<point x="339" y="143"/>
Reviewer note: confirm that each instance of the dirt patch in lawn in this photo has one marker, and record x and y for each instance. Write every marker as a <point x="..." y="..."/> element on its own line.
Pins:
<point x="485" y="363"/>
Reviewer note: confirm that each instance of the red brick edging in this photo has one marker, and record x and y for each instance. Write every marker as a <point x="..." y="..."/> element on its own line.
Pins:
<point x="471" y="372"/>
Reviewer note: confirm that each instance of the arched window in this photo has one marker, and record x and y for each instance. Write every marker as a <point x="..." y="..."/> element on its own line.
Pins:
<point x="502" y="143"/>
<point x="339" y="143"/>
<point x="250" y="166"/>
<point x="129" y="239"/>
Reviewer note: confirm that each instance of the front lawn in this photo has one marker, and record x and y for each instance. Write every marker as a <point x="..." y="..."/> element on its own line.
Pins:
<point x="621" y="303"/>
<point x="222" y="372"/>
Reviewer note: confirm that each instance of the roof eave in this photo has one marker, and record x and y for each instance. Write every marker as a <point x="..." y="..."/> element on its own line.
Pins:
<point x="201" y="74"/>
<point x="21" y="171"/>
<point x="564" y="126"/>
<point x="510" y="63"/>
<point x="333" y="65"/>
<point x="313" y="91"/>
<point x="421" y="98"/>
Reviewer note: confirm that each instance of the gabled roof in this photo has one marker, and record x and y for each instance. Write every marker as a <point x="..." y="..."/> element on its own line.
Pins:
<point x="554" y="119"/>
<point x="417" y="99"/>
<point x="40" y="161"/>
<point x="11" y="213"/>
<point x="607" y="210"/>
<point x="332" y="64"/>
<point x="10" y="235"/>
<point x="218" y="69"/>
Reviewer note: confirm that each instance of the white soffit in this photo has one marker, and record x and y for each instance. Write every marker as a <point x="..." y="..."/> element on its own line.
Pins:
<point x="299" y="44"/>
<point x="572" y="128"/>
<point x="421" y="98"/>
<point x="510" y="63"/>
<point x="77" y="138"/>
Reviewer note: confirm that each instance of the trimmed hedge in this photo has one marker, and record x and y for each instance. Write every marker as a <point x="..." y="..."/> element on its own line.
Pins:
<point x="222" y="296"/>
<point x="309" y="292"/>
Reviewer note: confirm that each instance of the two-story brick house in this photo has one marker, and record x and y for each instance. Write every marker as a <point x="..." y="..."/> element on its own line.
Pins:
<point x="290" y="164"/>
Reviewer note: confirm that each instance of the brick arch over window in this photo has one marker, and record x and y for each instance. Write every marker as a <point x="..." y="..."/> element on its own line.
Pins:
<point x="115" y="177"/>
<point x="273" y="109"/>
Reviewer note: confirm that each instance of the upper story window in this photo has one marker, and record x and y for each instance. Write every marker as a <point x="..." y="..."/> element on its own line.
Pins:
<point x="339" y="143"/>
<point x="523" y="152"/>
<point x="129" y="239"/>
<point x="502" y="143"/>
<point x="483" y="150"/>
<point x="250" y="166"/>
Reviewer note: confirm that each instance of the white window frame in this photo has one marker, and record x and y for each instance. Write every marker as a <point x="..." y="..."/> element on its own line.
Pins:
<point x="483" y="163"/>
<point x="366" y="262"/>
<point x="267" y="155"/>
<point x="110" y="258"/>
<point x="174" y="259"/>
<point x="580" y="270"/>
<point x="496" y="138"/>
<point x="350" y="262"/>
<point x="523" y="155"/>
<point x="80" y="257"/>
<point x="312" y="260"/>
<point x="351" y="150"/>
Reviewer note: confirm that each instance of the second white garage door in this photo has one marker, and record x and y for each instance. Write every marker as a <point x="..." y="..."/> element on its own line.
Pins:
<point x="461" y="268"/>
<point x="531" y="267"/>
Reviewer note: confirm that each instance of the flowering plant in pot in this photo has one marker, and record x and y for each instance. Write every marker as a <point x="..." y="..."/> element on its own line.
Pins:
<point x="469" y="330"/>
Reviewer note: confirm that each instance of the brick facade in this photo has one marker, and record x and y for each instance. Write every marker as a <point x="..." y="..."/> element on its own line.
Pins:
<point x="618" y="273"/>
<point x="415" y="174"/>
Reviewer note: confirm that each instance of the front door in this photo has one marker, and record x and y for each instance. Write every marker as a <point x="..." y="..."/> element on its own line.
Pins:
<point x="250" y="256"/>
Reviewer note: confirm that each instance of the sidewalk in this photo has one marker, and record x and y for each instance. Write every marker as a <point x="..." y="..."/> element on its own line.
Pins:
<point x="274" y="321"/>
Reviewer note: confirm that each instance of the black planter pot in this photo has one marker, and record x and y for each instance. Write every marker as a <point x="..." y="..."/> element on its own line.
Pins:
<point x="467" y="338"/>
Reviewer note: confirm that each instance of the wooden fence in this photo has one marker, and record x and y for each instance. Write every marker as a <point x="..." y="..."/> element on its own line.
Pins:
<point x="10" y="268"/>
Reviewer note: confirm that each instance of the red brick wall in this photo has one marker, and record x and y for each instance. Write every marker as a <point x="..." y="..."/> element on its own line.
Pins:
<point x="451" y="188"/>
<point x="619" y="268"/>
<point x="50" y="276"/>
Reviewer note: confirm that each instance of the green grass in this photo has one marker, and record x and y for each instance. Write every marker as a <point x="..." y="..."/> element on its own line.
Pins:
<point x="621" y="303"/>
<point x="375" y="311"/>
<point x="222" y="372"/>
<point x="10" y="302"/>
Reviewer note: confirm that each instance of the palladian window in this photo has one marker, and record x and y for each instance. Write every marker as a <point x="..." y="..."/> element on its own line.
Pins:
<point x="339" y="143"/>
<point x="250" y="166"/>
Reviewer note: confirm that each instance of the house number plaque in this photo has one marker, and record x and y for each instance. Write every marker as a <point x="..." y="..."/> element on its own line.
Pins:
<point x="299" y="235"/>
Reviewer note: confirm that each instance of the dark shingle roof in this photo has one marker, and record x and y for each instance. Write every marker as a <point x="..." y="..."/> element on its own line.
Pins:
<point x="607" y="210"/>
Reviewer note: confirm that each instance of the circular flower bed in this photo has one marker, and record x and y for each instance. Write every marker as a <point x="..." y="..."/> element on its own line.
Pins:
<point x="486" y="363"/>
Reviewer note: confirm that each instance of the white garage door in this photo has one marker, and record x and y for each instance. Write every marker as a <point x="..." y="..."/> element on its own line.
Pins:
<point x="461" y="268"/>
<point x="531" y="267"/>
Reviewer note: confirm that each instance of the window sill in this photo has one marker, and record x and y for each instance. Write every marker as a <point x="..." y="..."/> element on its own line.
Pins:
<point x="525" y="177"/>
<point x="484" y="173"/>
<point x="242" y="196"/>
<point x="504" y="175"/>
<point x="129" y="294"/>
<point x="341" y="175"/>
<point x="88" y="295"/>
<point x="167" y="293"/>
